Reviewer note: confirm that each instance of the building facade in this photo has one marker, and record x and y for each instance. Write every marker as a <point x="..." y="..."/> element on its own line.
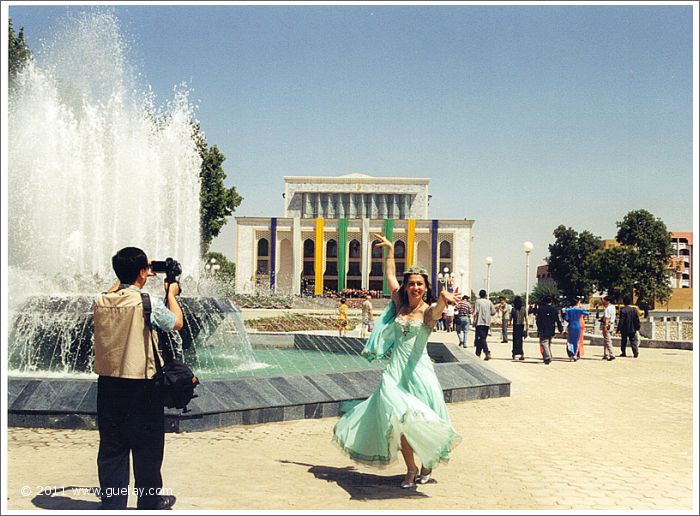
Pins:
<point x="682" y="261"/>
<point x="324" y="241"/>
<point x="544" y="277"/>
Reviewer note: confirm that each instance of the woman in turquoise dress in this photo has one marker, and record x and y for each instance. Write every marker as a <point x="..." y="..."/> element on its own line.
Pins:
<point x="407" y="411"/>
<point x="574" y="331"/>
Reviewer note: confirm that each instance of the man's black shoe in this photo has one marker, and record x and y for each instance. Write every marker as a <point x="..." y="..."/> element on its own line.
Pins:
<point x="162" y="502"/>
<point x="622" y="355"/>
<point x="636" y="355"/>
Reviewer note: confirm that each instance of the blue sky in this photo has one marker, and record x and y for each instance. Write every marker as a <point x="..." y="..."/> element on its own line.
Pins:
<point x="523" y="116"/>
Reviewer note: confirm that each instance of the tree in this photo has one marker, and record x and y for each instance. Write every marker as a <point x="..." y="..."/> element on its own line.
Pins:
<point x="543" y="290"/>
<point x="639" y="266"/>
<point x="216" y="201"/>
<point x="18" y="51"/>
<point x="567" y="261"/>
<point x="507" y="293"/>
<point x="611" y="270"/>
<point x="228" y="268"/>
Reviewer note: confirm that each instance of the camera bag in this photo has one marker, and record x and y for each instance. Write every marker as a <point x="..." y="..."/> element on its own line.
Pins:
<point x="175" y="378"/>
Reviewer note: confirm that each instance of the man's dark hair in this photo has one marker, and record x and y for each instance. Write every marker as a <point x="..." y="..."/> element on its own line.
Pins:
<point x="482" y="293"/>
<point x="127" y="264"/>
<point x="608" y="299"/>
<point x="548" y="300"/>
<point x="626" y="299"/>
<point x="517" y="302"/>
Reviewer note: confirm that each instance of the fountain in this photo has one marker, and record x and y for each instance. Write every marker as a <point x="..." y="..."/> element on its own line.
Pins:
<point x="84" y="140"/>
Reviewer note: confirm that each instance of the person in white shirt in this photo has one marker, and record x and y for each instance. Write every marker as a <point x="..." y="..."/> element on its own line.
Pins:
<point x="367" y="317"/>
<point x="607" y="323"/>
<point x="483" y="311"/>
<point x="449" y="314"/>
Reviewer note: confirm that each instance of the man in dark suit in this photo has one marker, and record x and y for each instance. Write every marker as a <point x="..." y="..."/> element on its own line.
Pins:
<point x="628" y="326"/>
<point x="547" y="318"/>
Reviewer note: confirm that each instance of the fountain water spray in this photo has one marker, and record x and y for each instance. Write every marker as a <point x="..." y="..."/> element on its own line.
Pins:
<point x="94" y="166"/>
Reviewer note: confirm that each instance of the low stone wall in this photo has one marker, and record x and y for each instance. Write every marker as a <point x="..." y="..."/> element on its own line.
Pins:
<point x="595" y="340"/>
<point x="668" y="328"/>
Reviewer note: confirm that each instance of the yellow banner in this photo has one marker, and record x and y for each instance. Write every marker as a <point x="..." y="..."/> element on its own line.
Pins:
<point x="410" y="239"/>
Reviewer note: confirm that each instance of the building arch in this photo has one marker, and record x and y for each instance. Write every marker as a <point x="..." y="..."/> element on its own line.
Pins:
<point x="330" y="275"/>
<point x="262" y="256"/>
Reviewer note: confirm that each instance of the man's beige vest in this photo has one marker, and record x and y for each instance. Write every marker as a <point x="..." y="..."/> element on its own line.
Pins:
<point x="122" y="340"/>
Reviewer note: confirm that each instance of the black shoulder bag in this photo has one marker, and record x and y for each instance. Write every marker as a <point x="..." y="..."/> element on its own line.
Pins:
<point x="176" y="380"/>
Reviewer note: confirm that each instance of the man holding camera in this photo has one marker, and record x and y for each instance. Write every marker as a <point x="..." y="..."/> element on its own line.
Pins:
<point x="130" y="414"/>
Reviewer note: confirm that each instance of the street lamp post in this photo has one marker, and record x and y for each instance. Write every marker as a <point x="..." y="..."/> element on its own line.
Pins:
<point x="489" y="261"/>
<point x="212" y="266"/>
<point x="444" y="279"/>
<point x="527" y="247"/>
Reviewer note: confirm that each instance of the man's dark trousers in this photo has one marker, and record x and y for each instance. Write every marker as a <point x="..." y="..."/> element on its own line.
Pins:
<point x="633" y="342"/>
<point x="130" y="418"/>
<point x="480" y="334"/>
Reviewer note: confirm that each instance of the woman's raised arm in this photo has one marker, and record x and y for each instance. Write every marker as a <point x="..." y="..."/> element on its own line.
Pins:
<point x="390" y="267"/>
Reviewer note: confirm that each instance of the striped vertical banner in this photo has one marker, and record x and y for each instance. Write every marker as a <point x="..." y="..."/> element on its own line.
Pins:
<point x="342" y="250"/>
<point x="273" y="252"/>
<point x="410" y="241"/>
<point x="318" y="258"/>
<point x="389" y="234"/>
<point x="434" y="264"/>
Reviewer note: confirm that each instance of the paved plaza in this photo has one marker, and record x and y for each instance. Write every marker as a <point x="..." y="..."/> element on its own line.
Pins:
<point x="587" y="435"/>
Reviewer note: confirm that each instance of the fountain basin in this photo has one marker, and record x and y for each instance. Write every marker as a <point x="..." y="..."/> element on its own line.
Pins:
<point x="71" y="403"/>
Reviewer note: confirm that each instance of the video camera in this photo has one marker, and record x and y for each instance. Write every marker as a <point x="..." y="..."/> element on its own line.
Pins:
<point x="170" y="267"/>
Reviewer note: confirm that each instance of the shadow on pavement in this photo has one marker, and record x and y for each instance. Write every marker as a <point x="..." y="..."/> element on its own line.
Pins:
<point x="362" y="486"/>
<point x="62" y="502"/>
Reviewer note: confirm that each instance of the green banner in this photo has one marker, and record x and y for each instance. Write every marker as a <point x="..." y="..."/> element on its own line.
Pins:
<point x="342" y="250"/>
<point x="389" y="234"/>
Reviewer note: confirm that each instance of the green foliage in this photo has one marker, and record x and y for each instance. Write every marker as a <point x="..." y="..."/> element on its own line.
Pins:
<point x="18" y="51"/>
<point x="507" y="293"/>
<point x="216" y="201"/>
<point x="568" y="261"/>
<point x="649" y="250"/>
<point x="611" y="270"/>
<point x="228" y="268"/>
<point x="543" y="290"/>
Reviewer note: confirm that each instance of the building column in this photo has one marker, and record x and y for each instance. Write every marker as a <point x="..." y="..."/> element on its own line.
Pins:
<point x="366" y="253"/>
<point x="434" y="261"/>
<point x="318" y="258"/>
<point x="297" y="256"/>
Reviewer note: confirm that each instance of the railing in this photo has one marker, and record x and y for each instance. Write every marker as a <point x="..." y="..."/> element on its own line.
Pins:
<point x="667" y="328"/>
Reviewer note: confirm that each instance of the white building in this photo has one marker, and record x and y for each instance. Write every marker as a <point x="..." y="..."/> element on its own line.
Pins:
<point x="325" y="238"/>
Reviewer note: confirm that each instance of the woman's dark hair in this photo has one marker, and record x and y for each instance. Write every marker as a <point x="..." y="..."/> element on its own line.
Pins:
<point x="429" y="296"/>
<point x="342" y="300"/>
<point x="517" y="302"/>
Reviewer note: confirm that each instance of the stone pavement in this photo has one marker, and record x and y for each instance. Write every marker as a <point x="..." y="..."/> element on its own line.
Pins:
<point x="587" y="435"/>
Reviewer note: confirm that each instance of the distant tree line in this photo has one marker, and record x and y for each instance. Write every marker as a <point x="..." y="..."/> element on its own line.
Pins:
<point x="638" y="266"/>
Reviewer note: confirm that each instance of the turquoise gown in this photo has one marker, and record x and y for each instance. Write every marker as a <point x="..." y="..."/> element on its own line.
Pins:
<point x="408" y="401"/>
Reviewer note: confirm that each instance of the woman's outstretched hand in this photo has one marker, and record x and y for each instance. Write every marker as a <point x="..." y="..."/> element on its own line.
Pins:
<point x="383" y="242"/>
<point x="449" y="297"/>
